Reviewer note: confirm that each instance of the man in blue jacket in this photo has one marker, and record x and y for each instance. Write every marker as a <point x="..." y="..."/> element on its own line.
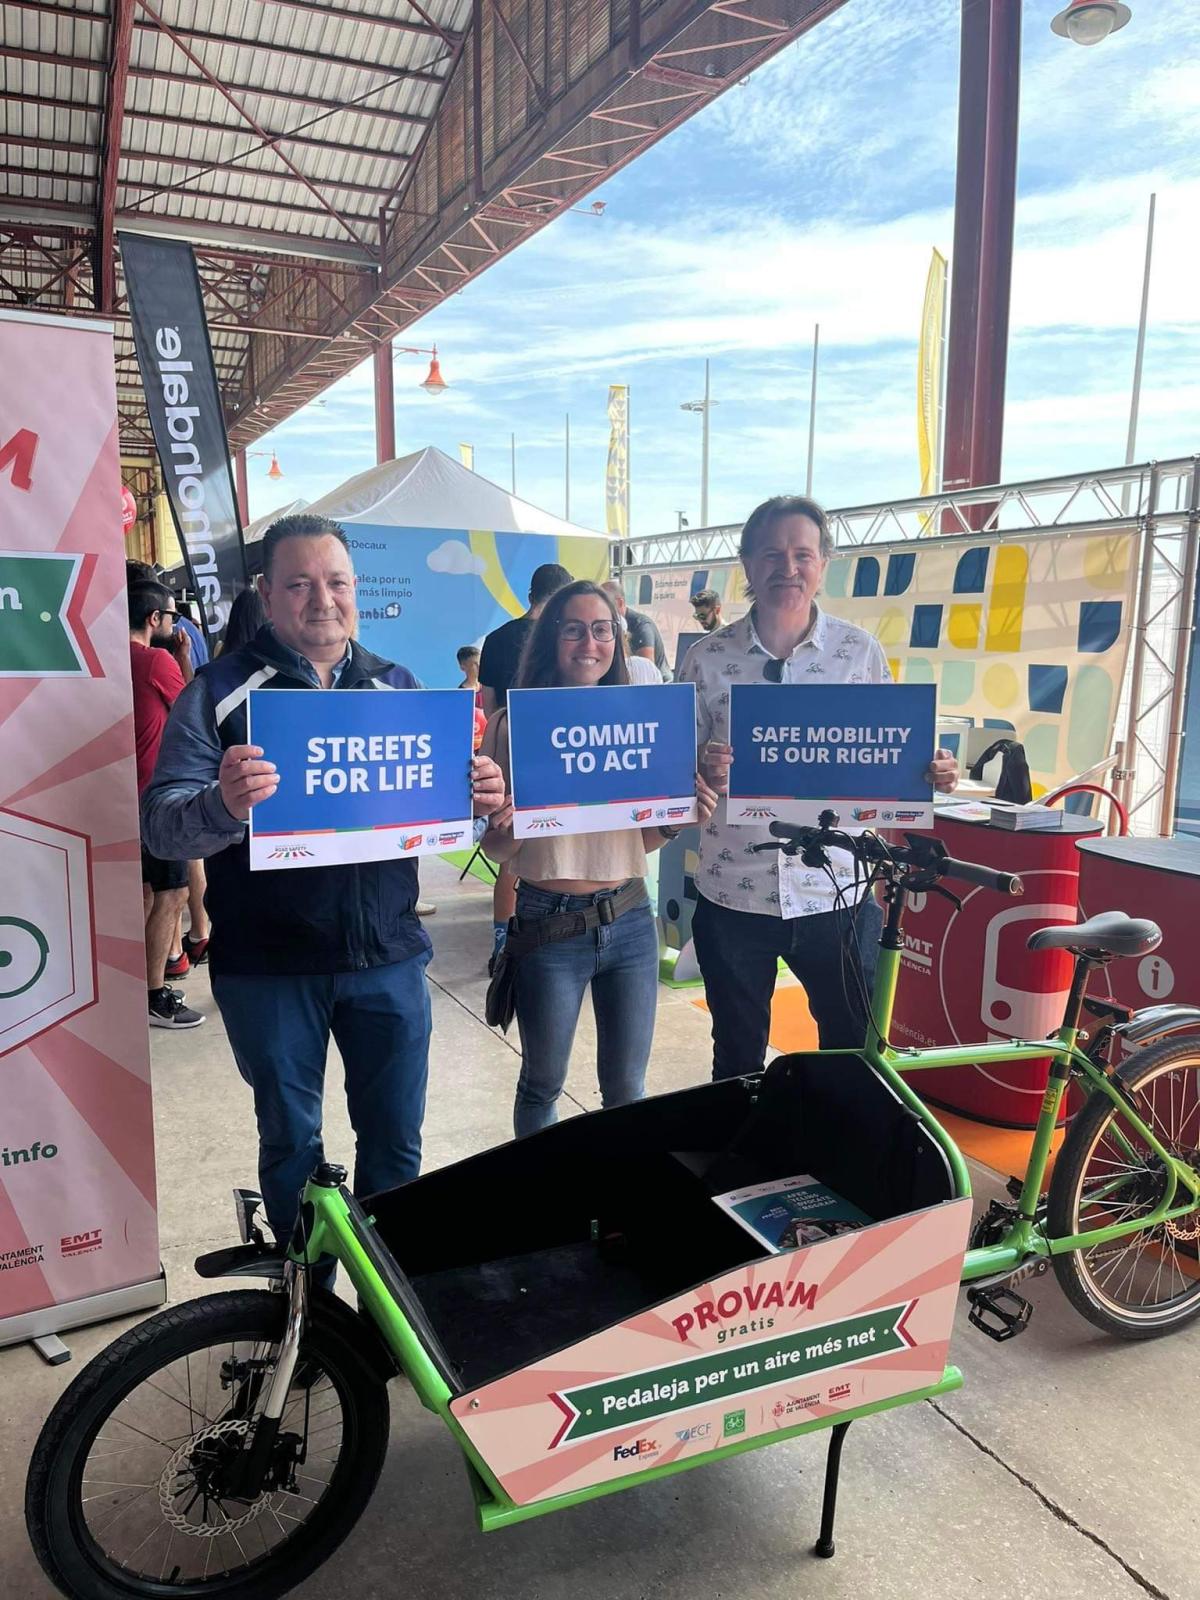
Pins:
<point x="300" y="954"/>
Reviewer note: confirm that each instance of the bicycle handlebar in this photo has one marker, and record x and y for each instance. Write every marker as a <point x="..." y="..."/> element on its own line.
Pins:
<point x="925" y="855"/>
<point x="985" y="877"/>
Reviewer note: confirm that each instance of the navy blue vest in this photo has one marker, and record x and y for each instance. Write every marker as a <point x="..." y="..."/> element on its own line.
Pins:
<point x="303" y="920"/>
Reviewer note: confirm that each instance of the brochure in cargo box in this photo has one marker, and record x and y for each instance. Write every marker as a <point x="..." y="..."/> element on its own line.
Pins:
<point x="790" y="1212"/>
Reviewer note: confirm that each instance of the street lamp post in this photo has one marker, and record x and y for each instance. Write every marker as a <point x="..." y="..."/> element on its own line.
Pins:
<point x="703" y="407"/>
<point x="385" y="399"/>
<point x="984" y="204"/>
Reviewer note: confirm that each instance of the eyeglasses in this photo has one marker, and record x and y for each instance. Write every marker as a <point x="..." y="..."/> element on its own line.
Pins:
<point x="773" y="670"/>
<point x="573" y="632"/>
<point x="168" y="613"/>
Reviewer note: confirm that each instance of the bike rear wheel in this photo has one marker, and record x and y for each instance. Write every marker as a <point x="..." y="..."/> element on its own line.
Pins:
<point x="1146" y="1283"/>
<point x="126" y="1496"/>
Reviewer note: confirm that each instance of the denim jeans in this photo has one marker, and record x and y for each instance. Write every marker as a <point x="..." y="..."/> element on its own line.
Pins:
<point x="279" y="1030"/>
<point x="620" y="961"/>
<point x="739" y="954"/>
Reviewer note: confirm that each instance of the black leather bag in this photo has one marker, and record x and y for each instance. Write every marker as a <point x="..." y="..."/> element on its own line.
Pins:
<point x="500" y="1006"/>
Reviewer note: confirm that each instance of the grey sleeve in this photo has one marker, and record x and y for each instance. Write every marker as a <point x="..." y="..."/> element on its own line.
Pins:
<point x="183" y="815"/>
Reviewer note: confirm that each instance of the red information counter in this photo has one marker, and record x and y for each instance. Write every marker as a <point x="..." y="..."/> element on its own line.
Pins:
<point x="967" y="975"/>
<point x="1155" y="878"/>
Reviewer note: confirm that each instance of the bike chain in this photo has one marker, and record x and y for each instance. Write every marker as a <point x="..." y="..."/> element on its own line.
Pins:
<point x="169" y="1487"/>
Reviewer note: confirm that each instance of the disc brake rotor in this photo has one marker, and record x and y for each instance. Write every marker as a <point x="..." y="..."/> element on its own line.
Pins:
<point x="180" y="1478"/>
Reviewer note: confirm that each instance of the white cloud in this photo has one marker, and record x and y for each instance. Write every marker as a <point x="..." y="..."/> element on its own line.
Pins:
<point x="815" y="193"/>
<point x="455" y="557"/>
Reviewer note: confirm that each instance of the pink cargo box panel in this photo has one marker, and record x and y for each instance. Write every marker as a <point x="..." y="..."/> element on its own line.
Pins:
<point x="599" y="1314"/>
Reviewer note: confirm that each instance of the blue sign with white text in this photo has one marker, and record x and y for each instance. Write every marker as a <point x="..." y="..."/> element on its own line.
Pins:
<point x="364" y="774"/>
<point x="860" y="749"/>
<point x="595" y="759"/>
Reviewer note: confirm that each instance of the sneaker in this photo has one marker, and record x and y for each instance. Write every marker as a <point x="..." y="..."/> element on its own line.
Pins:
<point x="178" y="966"/>
<point x="196" y="950"/>
<point x="167" y="1010"/>
<point x="426" y="908"/>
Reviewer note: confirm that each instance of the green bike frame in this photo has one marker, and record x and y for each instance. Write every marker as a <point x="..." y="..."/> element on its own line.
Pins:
<point x="1027" y="1238"/>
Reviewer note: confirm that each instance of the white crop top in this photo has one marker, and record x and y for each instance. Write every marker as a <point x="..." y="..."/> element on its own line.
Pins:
<point x="584" y="857"/>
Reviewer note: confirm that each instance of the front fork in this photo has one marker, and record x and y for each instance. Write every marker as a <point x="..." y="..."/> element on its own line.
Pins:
<point x="247" y="1483"/>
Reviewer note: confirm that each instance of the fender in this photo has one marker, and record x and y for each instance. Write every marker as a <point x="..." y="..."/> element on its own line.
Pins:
<point x="267" y="1261"/>
<point x="1153" y="1023"/>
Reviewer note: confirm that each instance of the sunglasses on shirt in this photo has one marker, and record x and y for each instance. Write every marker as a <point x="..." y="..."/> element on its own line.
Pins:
<point x="773" y="670"/>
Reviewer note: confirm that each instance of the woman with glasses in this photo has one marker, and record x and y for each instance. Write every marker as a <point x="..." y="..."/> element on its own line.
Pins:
<point x="583" y="916"/>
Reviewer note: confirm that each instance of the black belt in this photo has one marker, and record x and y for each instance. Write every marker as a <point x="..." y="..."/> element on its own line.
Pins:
<point x="528" y="933"/>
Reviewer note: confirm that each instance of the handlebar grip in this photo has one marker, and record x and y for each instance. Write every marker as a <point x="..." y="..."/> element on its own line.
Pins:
<point x="985" y="877"/>
<point x="792" y="831"/>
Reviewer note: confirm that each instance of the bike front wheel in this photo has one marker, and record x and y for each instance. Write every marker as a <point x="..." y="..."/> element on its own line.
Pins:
<point x="1146" y="1283"/>
<point x="131" y="1488"/>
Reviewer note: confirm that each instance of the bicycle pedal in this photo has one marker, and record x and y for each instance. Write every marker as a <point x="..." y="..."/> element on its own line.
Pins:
<point x="998" y="1312"/>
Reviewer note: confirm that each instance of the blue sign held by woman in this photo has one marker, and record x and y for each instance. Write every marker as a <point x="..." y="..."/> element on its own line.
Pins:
<point x="602" y="757"/>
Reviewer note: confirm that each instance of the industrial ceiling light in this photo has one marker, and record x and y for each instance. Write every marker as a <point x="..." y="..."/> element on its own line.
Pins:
<point x="1089" y="22"/>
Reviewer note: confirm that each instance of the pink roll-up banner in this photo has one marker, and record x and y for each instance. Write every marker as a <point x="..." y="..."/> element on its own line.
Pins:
<point x="78" y="1222"/>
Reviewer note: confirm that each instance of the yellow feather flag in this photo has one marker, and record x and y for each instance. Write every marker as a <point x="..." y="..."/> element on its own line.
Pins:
<point x="467" y="453"/>
<point x="616" y="482"/>
<point x="929" y="373"/>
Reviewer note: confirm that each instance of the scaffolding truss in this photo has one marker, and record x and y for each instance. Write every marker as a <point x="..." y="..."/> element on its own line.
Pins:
<point x="1158" y="502"/>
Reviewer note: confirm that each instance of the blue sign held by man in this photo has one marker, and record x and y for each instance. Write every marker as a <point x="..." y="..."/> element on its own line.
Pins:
<point x="363" y="775"/>
<point x="599" y="758"/>
<point x="860" y="749"/>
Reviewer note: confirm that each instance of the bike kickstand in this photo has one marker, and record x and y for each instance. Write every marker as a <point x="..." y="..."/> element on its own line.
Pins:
<point x="833" y="1463"/>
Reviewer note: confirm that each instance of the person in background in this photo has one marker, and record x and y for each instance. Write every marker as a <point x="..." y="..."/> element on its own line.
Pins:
<point x="707" y="608"/>
<point x="644" y="637"/>
<point x="143" y="572"/>
<point x="590" y="880"/>
<point x="640" y="670"/>
<point x="754" y="909"/>
<point x="246" y="617"/>
<point x="468" y="664"/>
<point x="497" y="666"/>
<point x="302" y="954"/>
<point x="186" y="623"/>
<point x="158" y="681"/>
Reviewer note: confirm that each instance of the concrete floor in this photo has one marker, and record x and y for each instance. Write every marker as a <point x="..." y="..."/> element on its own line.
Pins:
<point x="1051" y="1473"/>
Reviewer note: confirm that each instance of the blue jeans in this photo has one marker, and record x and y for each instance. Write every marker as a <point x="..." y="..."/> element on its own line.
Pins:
<point x="620" y="961"/>
<point x="279" y="1030"/>
<point x="739" y="954"/>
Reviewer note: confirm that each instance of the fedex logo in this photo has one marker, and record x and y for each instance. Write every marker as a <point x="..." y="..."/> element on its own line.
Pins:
<point x="642" y="1447"/>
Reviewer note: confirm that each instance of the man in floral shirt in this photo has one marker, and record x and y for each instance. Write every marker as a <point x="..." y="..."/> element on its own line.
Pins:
<point x="754" y="909"/>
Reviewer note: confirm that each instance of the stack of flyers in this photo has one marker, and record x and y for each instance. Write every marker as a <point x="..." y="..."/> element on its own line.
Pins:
<point x="788" y="1213"/>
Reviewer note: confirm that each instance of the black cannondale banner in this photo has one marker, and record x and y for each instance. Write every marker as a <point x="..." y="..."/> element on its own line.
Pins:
<point x="180" y="381"/>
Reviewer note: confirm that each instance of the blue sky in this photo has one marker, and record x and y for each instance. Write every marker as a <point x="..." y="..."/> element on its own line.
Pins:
<point x="814" y="192"/>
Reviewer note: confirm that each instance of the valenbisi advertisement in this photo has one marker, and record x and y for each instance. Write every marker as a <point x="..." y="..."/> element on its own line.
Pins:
<point x="78" y="1223"/>
<point x="603" y="757"/>
<point x="860" y="749"/>
<point x="184" y="402"/>
<point x="770" y="1346"/>
<point x="364" y="775"/>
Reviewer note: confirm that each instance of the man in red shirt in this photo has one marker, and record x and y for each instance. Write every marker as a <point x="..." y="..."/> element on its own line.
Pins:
<point x="157" y="684"/>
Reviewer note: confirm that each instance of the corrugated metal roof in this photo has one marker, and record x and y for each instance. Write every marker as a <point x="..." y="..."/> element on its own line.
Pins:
<point x="327" y="158"/>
